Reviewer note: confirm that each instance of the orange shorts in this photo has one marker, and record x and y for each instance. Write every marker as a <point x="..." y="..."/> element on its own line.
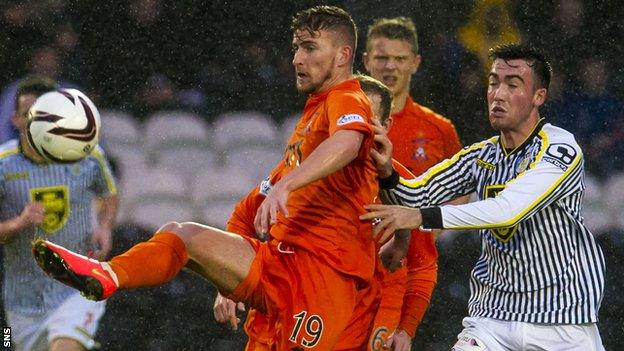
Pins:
<point x="354" y="337"/>
<point x="390" y="308"/>
<point x="304" y="298"/>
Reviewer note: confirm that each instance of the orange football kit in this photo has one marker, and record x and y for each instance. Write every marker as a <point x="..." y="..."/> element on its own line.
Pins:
<point x="307" y="278"/>
<point x="420" y="139"/>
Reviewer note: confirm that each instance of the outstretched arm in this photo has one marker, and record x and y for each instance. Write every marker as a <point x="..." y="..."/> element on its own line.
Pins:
<point x="330" y="156"/>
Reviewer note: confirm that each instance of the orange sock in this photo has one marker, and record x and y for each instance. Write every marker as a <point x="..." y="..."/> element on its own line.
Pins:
<point x="150" y="263"/>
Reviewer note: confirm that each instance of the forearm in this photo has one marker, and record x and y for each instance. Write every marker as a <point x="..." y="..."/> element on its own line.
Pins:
<point x="330" y="156"/>
<point x="107" y="213"/>
<point x="417" y="297"/>
<point x="10" y="227"/>
<point x="422" y="275"/>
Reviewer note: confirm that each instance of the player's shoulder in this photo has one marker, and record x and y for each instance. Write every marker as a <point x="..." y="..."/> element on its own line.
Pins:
<point x="9" y="149"/>
<point x="96" y="156"/>
<point x="558" y="135"/>
<point x="347" y="95"/>
<point x="483" y="144"/>
<point x="432" y="116"/>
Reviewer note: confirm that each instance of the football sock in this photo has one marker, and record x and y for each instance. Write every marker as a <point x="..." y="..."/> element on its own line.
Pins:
<point x="150" y="263"/>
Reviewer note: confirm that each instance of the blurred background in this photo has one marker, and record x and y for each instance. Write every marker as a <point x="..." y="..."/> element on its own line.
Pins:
<point x="197" y="99"/>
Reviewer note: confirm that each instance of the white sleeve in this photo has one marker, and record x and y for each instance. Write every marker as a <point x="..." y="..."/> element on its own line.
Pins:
<point x="445" y="181"/>
<point x="554" y="174"/>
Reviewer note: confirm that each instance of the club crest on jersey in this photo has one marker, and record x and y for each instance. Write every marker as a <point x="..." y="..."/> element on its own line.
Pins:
<point x="502" y="234"/>
<point x="522" y="164"/>
<point x="55" y="199"/>
<point x="350" y="118"/>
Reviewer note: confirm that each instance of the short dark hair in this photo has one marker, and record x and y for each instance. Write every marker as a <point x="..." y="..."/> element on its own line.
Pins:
<point x="401" y="28"/>
<point x="34" y="85"/>
<point x="532" y="55"/>
<point x="371" y="85"/>
<point x="326" y="17"/>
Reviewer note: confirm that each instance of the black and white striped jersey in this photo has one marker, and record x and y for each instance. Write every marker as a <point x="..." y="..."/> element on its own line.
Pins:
<point x="539" y="263"/>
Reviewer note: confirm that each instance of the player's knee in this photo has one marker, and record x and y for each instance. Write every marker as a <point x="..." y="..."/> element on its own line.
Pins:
<point x="66" y="344"/>
<point x="184" y="230"/>
<point x="170" y="227"/>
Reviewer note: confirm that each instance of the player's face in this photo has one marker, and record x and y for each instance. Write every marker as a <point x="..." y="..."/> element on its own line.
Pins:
<point x="510" y="94"/>
<point x="392" y="62"/>
<point x="24" y="102"/>
<point x="314" y="58"/>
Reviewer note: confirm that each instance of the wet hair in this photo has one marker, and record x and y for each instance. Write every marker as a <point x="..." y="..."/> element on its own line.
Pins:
<point x="399" y="28"/>
<point x="34" y="85"/>
<point x="534" y="57"/>
<point x="372" y="86"/>
<point x="326" y="17"/>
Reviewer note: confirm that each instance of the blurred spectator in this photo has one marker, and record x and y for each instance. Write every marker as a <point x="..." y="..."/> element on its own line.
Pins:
<point x="490" y="24"/>
<point x="158" y="93"/>
<point x="594" y="115"/>
<point x="45" y="61"/>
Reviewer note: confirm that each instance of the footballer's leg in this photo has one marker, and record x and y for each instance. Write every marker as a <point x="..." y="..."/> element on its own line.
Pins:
<point x="219" y="256"/>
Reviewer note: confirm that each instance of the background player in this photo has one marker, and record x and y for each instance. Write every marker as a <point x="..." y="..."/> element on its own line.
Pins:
<point x="54" y="201"/>
<point x="420" y="138"/>
<point x="539" y="281"/>
<point x="307" y="278"/>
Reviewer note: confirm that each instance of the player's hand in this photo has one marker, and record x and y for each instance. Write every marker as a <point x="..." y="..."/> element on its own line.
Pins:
<point x="382" y="154"/>
<point x="32" y="214"/>
<point x="392" y="252"/>
<point x="102" y="239"/>
<point x="274" y="202"/>
<point x="225" y="311"/>
<point x="392" y="218"/>
<point x="399" y="341"/>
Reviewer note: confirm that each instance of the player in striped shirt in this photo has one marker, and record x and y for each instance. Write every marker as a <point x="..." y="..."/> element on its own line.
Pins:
<point x="539" y="281"/>
<point x="54" y="201"/>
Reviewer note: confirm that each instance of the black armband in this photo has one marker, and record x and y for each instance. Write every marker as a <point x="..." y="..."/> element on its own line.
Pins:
<point x="390" y="182"/>
<point x="431" y="218"/>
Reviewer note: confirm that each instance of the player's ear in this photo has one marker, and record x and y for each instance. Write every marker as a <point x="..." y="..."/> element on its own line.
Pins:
<point x="416" y="63"/>
<point x="345" y="53"/>
<point x="366" y="61"/>
<point x="15" y="120"/>
<point x="539" y="97"/>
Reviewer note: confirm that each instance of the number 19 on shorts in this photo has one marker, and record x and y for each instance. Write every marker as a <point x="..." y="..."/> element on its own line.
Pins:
<point x="313" y="329"/>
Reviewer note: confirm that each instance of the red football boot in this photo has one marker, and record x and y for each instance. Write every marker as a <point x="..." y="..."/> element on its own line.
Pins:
<point x="81" y="273"/>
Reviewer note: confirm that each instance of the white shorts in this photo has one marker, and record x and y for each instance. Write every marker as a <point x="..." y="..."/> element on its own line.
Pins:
<point x="482" y="334"/>
<point x="77" y="318"/>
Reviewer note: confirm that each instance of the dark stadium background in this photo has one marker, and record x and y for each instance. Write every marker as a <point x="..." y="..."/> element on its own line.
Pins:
<point x="211" y="57"/>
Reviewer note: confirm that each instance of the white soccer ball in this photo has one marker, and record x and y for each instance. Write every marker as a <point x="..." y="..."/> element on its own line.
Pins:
<point x="63" y="126"/>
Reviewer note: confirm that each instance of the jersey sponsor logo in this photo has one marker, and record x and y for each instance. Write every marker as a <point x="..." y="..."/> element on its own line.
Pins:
<point x="350" y="118"/>
<point x="502" y="234"/>
<point x="561" y="155"/>
<point x="15" y="176"/>
<point x="293" y="154"/>
<point x="486" y="165"/>
<point x="55" y="199"/>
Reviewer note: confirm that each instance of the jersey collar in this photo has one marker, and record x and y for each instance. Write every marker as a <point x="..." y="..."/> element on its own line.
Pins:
<point x="526" y="141"/>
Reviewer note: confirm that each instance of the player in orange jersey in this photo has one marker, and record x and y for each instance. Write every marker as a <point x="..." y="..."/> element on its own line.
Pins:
<point x="420" y="139"/>
<point x="242" y="222"/>
<point x="307" y="278"/>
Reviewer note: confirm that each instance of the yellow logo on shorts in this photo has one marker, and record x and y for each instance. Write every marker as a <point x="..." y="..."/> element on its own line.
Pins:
<point x="55" y="199"/>
<point x="502" y="234"/>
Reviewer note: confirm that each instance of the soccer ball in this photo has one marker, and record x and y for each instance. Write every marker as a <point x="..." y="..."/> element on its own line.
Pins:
<point x="63" y="126"/>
